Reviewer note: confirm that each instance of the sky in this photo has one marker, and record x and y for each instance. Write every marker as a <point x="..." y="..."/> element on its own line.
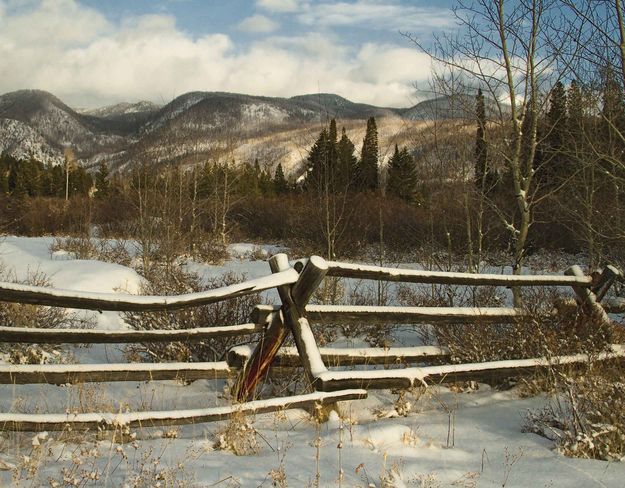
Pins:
<point x="92" y="53"/>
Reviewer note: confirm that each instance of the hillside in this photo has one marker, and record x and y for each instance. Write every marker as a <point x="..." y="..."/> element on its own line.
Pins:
<point x="192" y="128"/>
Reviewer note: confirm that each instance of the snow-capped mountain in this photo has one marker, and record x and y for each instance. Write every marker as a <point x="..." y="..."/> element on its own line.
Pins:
<point x="192" y="128"/>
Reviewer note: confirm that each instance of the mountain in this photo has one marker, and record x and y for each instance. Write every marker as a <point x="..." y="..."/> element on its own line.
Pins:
<point x="192" y="128"/>
<point x="123" y="108"/>
<point x="459" y="106"/>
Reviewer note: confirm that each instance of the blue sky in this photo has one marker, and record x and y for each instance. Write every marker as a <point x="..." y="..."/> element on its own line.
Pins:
<point x="91" y="52"/>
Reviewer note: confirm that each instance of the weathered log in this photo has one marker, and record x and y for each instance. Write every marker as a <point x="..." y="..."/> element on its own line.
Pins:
<point x="429" y="375"/>
<point x="413" y="315"/>
<point x="37" y="295"/>
<point x="400" y="315"/>
<point x="586" y="298"/>
<point x="258" y="366"/>
<point x="331" y="356"/>
<point x="60" y="374"/>
<point x="608" y="276"/>
<point x="33" y="335"/>
<point x="362" y="271"/>
<point x="113" y="421"/>
<point x="294" y="307"/>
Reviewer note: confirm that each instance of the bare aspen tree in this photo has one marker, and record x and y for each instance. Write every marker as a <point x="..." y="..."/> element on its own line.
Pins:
<point x="501" y="47"/>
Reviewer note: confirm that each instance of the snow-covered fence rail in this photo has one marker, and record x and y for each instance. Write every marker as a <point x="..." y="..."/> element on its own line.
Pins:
<point x="286" y="279"/>
<point x="37" y="295"/>
<point x="297" y="313"/>
<point x="295" y="285"/>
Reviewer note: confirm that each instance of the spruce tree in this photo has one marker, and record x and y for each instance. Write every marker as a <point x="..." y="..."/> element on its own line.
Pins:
<point x="101" y="181"/>
<point x="402" y="176"/>
<point x="317" y="167"/>
<point x="346" y="165"/>
<point x="554" y="160"/>
<point x="368" y="166"/>
<point x="280" y="184"/>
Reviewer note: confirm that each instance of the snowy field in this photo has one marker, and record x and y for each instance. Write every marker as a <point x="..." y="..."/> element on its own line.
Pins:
<point x="444" y="438"/>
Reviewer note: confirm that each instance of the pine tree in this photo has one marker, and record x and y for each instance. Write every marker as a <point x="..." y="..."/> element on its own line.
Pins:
<point x="280" y="184"/>
<point x="102" y="182"/>
<point x="346" y="164"/>
<point x="481" y="148"/>
<point x="368" y="166"/>
<point x="402" y="176"/>
<point x="317" y="168"/>
<point x="555" y="167"/>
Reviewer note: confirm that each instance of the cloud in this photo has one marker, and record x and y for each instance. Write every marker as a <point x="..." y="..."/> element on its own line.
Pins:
<point x="257" y="23"/>
<point x="279" y="5"/>
<point x="376" y="15"/>
<point x="149" y="57"/>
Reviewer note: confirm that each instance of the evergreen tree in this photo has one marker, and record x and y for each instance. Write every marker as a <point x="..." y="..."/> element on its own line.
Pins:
<point x="555" y="167"/>
<point x="317" y="168"/>
<point x="402" y="176"/>
<point x="101" y="181"/>
<point x="280" y="184"/>
<point x="346" y="164"/>
<point x="368" y="166"/>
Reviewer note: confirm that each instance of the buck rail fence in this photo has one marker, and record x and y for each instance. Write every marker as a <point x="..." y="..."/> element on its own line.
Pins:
<point x="295" y="285"/>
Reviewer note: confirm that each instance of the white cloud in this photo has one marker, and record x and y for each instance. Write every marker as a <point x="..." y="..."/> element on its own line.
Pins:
<point x="376" y="15"/>
<point x="258" y="23"/>
<point x="148" y="57"/>
<point x="279" y="5"/>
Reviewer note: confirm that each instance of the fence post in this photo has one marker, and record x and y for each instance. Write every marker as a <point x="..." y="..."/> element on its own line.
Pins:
<point x="271" y="340"/>
<point x="294" y="309"/>
<point x="291" y="316"/>
<point x="608" y="276"/>
<point x="587" y="299"/>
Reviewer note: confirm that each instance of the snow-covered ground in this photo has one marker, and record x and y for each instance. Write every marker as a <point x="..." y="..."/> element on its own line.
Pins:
<point x="446" y="438"/>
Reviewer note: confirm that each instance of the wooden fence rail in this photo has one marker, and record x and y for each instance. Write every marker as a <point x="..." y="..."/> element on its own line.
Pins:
<point x="273" y="324"/>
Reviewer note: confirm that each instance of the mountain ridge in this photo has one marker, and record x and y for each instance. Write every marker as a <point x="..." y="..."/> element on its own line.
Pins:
<point x="192" y="127"/>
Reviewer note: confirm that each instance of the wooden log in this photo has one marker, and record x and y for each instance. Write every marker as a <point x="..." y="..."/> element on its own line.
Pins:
<point x="90" y="336"/>
<point x="608" y="276"/>
<point x="412" y="315"/>
<point x="60" y="374"/>
<point x="309" y="280"/>
<point x="400" y="315"/>
<point x="294" y="306"/>
<point x="362" y="271"/>
<point x="36" y="295"/>
<point x="113" y="421"/>
<point x="258" y="366"/>
<point x="428" y="375"/>
<point x="586" y="298"/>
<point x="289" y="356"/>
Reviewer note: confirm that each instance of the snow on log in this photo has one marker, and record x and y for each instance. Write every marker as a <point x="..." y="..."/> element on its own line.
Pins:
<point x="112" y="421"/>
<point x="31" y="335"/>
<point x="60" y="374"/>
<point x="337" y="356"/>
<point x="411" y="315"/>
<point x="396" y="315"/>
<point x="409" y="377"/>
<point x="14" y="292"/>
<point x="363" y="271"/>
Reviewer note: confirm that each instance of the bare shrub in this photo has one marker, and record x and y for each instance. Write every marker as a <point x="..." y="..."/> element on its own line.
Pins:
<point x="38" y="316"/>
<point x="585" y="418"/>
<point x="544" y="334"/>
<point x="108" y="250"/>
<point x="238" y="436"/>
<point x="173" y="280"/>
